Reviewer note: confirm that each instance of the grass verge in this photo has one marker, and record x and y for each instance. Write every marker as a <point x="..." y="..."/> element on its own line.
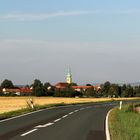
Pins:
<point x="124" y="124"/>
<point x="10" y="114"/>
<point x="18" y="112"/>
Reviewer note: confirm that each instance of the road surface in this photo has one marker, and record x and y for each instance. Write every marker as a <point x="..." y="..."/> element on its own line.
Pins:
<point x="74" y="122"/>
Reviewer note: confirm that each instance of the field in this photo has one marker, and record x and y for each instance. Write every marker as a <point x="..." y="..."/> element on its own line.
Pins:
<point x="14" y="103"/>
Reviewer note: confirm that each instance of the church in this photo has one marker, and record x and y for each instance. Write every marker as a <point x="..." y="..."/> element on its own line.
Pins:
<point x="64" y="85"/>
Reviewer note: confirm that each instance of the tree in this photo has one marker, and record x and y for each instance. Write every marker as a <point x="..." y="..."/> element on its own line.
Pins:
<point x="137" y="91"/>
<point x="72" y="84"/>
<point x="114" y="90"/>
<point x="124" y="87"/>
<point x="7" y="84"/>
<point x="128" y="92"/>
<point x="49" y="89"/>
<point x="67" y="92"/>
<point x="60" y="92"/>
<point x="88" y="85"/>
<point x="77" y="94"/>
<point x="90" y="92"/>
<point x="38" y="89"/>
<point x="105" y="88"/>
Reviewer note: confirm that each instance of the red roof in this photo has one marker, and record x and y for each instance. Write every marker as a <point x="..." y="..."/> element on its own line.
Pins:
<point x="61" y="85"/>
<point x="86" y="87"/>
<point x="25" y="90"/>
<point x="82" y="87"/>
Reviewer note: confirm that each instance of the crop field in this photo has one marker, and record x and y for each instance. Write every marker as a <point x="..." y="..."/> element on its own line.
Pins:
<point x="14" y="103"/>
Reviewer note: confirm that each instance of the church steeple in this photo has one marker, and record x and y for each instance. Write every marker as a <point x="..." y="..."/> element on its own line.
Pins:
<point x="69" y="77"/>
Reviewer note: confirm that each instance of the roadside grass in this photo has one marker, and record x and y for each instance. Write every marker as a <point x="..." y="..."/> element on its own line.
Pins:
<point x="10" y="114"/>
<point x="15" y="106"/>
<point x="124" y="124"/>
<point x="15" y="103"/>
<point x="28" y="109"/>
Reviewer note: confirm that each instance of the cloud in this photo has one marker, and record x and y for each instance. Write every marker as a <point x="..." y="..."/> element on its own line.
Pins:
<point x="33" y="17"/>
<point x="46" y="16"/>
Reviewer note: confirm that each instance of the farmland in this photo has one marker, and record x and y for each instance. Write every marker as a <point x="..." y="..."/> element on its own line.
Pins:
<point x="14" y="103"/>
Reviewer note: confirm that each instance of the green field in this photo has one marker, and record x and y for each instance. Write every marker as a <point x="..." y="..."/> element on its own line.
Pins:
<point x="124" y="124"/>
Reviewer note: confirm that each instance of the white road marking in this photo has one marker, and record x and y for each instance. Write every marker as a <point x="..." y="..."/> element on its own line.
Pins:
<point x="76" y="111"/>
<point x="45" y="125"/>
<point x="65" y="116"/>
<point x="71" y="113"/>
<point x="28" y="132"/>
<point x="88" y="107"/>
<point x="30" y="113"/>
<point x="57" y="120"/>
<point x="82" y="108"/>
<point x="49" y="124"/>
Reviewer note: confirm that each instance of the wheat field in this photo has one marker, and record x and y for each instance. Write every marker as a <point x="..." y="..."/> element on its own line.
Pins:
<point x="14" y="103"/>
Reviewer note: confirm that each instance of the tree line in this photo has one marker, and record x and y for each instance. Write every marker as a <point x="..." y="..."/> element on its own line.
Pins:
<point x="107" y="90"/>
<point x="115" y="90"/>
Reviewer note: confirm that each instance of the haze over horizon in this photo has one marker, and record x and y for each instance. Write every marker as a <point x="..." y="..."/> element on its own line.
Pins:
<point x="97" y="39"/>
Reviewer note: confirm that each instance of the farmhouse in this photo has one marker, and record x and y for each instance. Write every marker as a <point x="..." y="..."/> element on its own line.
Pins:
<point x="17" y="91"/>
<point x="84" y="88"/>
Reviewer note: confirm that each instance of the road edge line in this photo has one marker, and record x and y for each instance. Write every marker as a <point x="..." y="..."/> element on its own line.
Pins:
<point x="30" y="113"/>
<point x="107" y="127"/>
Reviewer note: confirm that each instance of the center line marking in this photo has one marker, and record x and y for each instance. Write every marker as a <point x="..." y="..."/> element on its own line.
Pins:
<point x="82" y="108"/>
<point x="76" y="110"/>
<point x="28" y="132"/>
<point x="57" y="120"/>
<point x="71" y="113"/>
<point x="88" y="107"/>
<point x="64" y="116"/>
<point x="45" y="125"/>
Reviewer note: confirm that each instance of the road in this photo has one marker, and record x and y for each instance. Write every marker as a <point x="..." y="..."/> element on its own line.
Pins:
<point x="74" y="122"/>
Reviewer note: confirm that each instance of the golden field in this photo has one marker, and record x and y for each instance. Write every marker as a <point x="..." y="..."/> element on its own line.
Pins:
<point x="14" y="103"/>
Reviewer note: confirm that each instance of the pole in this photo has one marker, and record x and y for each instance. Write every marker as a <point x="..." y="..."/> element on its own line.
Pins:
<point x="120" y="105"/>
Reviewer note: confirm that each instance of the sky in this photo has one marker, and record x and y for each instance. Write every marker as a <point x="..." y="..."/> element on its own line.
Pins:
<point x="98" y="39"/>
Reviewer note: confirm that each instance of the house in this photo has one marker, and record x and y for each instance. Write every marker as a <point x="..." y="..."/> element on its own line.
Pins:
<point x="61" y="85"/>
<point x="84" y="88"/>
<point x="25" y="91"/>
<point x="79" y="88"/>
<point x="11" y="90"/>
<point x="17" y="91"/>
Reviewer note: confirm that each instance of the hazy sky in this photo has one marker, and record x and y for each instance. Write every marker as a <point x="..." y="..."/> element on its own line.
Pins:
<point x="98" y="39"/>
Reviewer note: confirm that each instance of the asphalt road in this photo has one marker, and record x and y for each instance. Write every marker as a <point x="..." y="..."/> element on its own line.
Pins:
<point x="78" y="122"/>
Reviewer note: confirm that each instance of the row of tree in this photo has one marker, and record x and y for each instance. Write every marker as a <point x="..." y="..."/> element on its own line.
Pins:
<point x="46" y="89"/>
<point x="107" y="90"/>
<point x="116" y="90"/>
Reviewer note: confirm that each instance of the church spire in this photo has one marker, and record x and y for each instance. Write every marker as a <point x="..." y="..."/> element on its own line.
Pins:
<point x="69" y="77"/>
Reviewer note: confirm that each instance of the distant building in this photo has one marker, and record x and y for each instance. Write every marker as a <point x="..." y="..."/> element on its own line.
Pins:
<point x="61" y="85"/>
<point x="25" y="91"/>
<point x="17" y="91"/>
<point x="64" y="85"/>
<point x="84" y="88"/>
<point x="11" y="91"/>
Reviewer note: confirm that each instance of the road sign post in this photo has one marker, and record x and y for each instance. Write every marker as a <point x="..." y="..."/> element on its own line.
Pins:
<point x="120" y="105"/>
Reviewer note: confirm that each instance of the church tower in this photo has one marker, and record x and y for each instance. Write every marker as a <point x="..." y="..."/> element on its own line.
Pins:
<point x="69" y="77"/>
